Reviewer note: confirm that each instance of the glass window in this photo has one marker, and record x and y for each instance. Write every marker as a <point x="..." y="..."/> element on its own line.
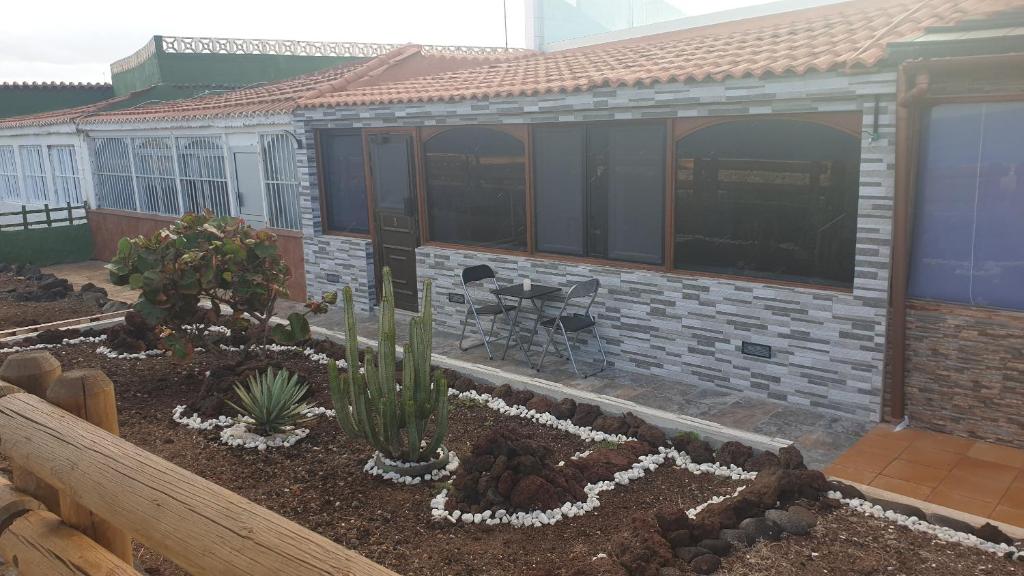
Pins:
<point x="155" y="175"/>
<point x="344" y="182"/>
<point x="33" y="174"/>
<point x="476" y="188"/>
<point x="9" y="189"/>
<point x="204" y="181"/>
<point x="67" y="186"/>
<point x="968" y="230"/>
<point x="280" y="181"/>
<point x="560" y="189"/>
<point x="771" y="198"/>
<point x="115" y="188"/>
<point x="600" y="190"/>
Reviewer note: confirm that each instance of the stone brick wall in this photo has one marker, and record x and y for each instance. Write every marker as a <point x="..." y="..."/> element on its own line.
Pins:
<point x="965" y="371"/>
<point x="829" y="346"/>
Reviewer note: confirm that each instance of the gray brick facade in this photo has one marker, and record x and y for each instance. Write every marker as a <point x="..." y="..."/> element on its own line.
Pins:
<point x="829" y="346"/>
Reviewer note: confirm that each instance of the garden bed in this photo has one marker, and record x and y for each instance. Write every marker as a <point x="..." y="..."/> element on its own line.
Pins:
<point x="29" y="298"/>
<point x="320" y="483"/>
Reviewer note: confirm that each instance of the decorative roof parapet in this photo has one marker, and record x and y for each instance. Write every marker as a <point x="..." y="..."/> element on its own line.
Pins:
<point x="57" y="85"/>
<point x="141" y="55"/>
<point x="202" y="45"/>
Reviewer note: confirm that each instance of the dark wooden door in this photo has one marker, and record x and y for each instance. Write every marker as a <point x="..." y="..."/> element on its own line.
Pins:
<point x="396" y="234"/>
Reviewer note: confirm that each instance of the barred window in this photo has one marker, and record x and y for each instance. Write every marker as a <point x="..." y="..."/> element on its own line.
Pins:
<point x="67" y="182"/>
<point x="33" y="172"/>
<point x="280" y="181"/>
<point x="155" y="175"/>
<point x="115" y="188"/>
<point x="9" y="189"/>
<point x="203" y="174"/>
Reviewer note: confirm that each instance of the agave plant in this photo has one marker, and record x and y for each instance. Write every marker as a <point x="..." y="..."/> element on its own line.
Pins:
<point x="273" y="400"/>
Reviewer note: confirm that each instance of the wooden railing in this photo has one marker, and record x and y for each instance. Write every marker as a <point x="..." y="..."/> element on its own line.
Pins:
<point x="101" y="491"/>
<point x="55" y="215"/>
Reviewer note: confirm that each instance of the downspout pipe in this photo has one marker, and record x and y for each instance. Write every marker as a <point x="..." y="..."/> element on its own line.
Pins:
<point x="912" y="86"/>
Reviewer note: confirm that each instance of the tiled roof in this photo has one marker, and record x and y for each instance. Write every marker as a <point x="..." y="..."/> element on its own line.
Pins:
<point x="851" y="35"/>
<point x="275" y="98"/>
<point x="56" y="85"/>
<point x="55" y="117"/>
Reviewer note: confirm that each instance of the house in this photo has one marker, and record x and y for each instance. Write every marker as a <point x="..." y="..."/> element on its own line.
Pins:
<point x="732" y="187"/>
<point x="142" y="160"/>
<point x="956" y="361"/>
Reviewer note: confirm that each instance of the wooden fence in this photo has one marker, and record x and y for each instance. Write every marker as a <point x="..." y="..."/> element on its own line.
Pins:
<point x="63" y="215"/>
<point x="80" y="493"/>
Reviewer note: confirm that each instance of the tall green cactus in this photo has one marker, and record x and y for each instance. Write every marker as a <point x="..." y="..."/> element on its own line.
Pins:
<point x="370" y="406"/>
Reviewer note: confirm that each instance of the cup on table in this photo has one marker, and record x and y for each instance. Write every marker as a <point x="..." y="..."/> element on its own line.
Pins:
<point x="527" y="284"/>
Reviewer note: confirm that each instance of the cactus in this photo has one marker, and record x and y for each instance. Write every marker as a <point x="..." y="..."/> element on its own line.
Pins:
<point x="371" y="406"/>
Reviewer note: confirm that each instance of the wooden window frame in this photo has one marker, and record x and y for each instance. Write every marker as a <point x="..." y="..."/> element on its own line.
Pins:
<point x="321" y="181"/>
<point x="849" y="122"/>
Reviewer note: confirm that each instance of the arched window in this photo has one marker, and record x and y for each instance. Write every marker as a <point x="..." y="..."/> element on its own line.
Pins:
<point x="770" y="198"/>
<point x="476" y="188"/>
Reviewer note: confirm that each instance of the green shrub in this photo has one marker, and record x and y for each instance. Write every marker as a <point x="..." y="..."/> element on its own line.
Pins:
<point x="218" y="260"/>
<point x="272" y="400"/>
<point x="685" y="437"/>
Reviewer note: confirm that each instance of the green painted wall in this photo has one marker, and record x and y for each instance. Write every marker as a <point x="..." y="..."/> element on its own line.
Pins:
<point x="16" y="101"/>
<point x="239" y="69"/>
<point x="138" y="78"/>
<point x="46" y="246"/>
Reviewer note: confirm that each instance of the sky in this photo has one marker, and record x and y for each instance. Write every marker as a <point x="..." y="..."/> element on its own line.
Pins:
<point x="76" y="40"/>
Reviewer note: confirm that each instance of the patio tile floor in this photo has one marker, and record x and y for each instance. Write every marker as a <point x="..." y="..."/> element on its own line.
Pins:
<point x="971" y="476"/>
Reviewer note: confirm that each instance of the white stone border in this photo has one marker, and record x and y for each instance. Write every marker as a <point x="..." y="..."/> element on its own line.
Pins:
<point x="236" y="431"/>
<point x="646" y="463"/>
<point x="372" y="469"/>
<point x="914" y="523"/>
<point x="65" y="342"/>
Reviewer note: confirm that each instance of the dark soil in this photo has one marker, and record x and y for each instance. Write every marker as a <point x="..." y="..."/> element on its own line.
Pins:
<point x="15" y="314"/>
<point x="320" y="484"/>
<point x="849" y="544"/>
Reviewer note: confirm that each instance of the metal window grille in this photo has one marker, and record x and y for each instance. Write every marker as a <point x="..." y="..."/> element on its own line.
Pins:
<point x="280" y="181"/>
<point x="155" y="175"/>
<point x="113" y="174"/>
<point x="203" y="175"/>
<point x="67" y="185"/>
<point x="9" y="189"/>
<point x="33" y="174"/>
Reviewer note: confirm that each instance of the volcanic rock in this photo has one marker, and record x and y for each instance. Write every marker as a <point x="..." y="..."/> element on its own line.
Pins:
<point x="585" y="414"/>
<point x="706" y="564"/>
<point x="734" y="453"/>
<point x="640" y="549"/>
<point x="763" y="461"/>
<point x="610" y="424"/>
<point x="564" y="409"/>
<point x="791" y="458"/>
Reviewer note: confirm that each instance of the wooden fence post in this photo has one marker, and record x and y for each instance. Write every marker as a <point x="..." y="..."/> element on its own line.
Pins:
<point x="71" y="216"/>
<point x="33" y="372"/>
<point x="24" y="216"/>
<point x="89" y="394"/>
<point x="49" y="221"/>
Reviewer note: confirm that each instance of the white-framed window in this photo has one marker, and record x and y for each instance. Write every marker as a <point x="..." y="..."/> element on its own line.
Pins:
<point x="202" y="173"/>
<point x="9" y="189"/>
<point x="115" y="187"/>
<point x="67" y="182"/>
<point x="280" y="180"/>
<point x="155" y="175"/>
<point x="33" y="174"/>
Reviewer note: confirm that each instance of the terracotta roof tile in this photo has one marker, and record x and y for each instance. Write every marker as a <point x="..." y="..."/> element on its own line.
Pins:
<point x="851" y="35"/>
<point x="277" y="97"/>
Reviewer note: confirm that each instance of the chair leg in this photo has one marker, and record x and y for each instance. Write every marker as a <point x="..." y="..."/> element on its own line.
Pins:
<point x="568" y="347"/>
<point x="547" y="344"/>
<point x="465" y="323"/>
<point x="600" y="346"/>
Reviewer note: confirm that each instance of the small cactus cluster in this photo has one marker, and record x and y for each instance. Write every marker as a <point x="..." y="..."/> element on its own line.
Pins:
<point x="371" y="405"/>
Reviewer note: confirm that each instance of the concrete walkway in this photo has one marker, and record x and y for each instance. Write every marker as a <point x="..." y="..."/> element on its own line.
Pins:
<point x="93" y="271"/>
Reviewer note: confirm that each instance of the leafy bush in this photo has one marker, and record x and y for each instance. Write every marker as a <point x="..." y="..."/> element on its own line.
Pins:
<point x="272" y="400"/>
<point x="685" y="437"/>
<point x="218" y="260"/>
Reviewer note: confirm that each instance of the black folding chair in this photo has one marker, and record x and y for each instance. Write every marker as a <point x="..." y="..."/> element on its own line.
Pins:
<point x="481" y="273"/>
<point x="574" y="323"/>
